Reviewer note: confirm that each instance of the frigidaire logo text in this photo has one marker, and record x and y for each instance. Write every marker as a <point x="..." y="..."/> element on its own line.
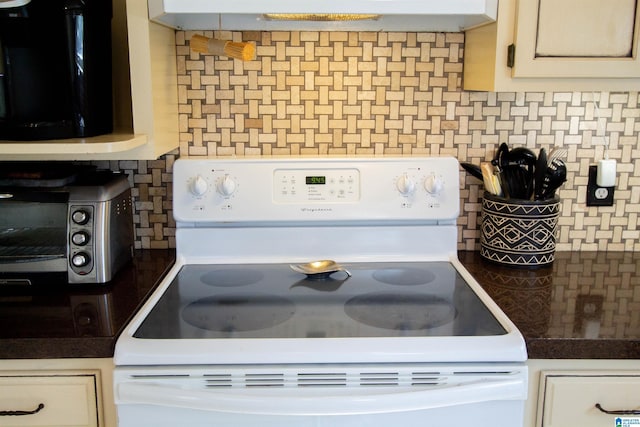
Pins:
<point x="316" y="210"/>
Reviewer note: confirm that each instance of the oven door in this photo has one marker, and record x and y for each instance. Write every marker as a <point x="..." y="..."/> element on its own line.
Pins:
<point x="482" y="395"/>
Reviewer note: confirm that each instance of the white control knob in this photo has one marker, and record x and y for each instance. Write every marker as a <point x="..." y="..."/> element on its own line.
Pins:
<point x="227" y="186"/>
<point x="433" y="184"/>
<point x="199" y="186"/>
<point x="405" y="185"/>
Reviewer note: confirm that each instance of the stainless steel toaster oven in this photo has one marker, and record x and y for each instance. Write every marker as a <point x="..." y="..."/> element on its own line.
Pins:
<point x="63" y="223"/>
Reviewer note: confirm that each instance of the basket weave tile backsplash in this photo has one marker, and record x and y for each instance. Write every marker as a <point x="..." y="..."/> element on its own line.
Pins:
<point x="364" y="93"/>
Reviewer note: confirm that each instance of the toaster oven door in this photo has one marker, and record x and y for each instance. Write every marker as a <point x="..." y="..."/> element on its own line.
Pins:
<point x="33" y="232"/>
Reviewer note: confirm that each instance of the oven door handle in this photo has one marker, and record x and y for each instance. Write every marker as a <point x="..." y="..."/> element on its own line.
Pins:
<point x="305" y="401"/>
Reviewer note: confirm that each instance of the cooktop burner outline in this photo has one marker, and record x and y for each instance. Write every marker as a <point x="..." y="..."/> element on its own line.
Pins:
<point x="237" y="312"/>
<point x="232" y="277"/>
<point x="405" y="312"/>
<point x="404" y="276"/>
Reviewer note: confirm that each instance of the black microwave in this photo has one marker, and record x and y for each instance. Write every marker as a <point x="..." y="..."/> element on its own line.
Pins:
<point x="55" y="69"/>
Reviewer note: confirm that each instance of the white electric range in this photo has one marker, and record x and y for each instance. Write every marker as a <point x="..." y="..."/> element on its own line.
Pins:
<point x="396" y="332"/>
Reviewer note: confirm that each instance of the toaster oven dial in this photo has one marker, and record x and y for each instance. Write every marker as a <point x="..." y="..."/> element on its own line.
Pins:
<point x="80" y="238"/>
<point x="80" y="217"/>
<point x="80" y="259"/>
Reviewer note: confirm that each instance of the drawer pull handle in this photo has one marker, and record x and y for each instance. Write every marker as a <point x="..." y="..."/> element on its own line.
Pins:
<point x="621" y="412"/>
<point x="17" y="413"/>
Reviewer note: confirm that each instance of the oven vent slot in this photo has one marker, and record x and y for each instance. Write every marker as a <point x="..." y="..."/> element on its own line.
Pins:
<point x="264" y="380"/>
<point x="377" y="379"/>
<point x="322" y="379"/>
<point x="218" y="380"/>
<point x="427" y="379"/>
<point x="159" y="376"/>
<point x="483" y="373"/>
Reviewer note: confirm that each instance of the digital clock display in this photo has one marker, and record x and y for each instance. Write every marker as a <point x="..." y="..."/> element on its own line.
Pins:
<point x="316" y="180"/>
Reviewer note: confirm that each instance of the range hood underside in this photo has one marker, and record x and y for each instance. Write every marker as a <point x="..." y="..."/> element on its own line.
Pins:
<point x="395" y="15"/>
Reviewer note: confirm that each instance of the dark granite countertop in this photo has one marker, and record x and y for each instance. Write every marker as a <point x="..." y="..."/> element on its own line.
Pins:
<point x="585" y="306"/>
<point x="77" y="322"/>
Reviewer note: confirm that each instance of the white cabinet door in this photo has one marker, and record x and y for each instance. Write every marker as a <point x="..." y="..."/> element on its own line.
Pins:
<point x="576" y="38"/>
<point x="49" y="399"/>
<point x="571" y="398"/>
<point x="558" y="45"/>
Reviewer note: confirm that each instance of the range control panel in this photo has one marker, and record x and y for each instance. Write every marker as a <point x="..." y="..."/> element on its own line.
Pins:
<point x="316" y="185"/>
<point x="267" y="190"/>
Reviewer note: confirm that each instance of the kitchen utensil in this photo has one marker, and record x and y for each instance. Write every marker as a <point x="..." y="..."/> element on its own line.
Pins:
<point x="239" y="50"/>
<point x="555" y="176"/>
<point x="540" y="171"/>
<point x="557" y="153"/>
<point x="319" y="269"/>
<point x="473" y="170"/>
<point x="522" y="155"/>
<point x="500" y="162"/>
<point x="490" y="179"/>
<point x="500" y="158"/>
<point x="520" y="172"/>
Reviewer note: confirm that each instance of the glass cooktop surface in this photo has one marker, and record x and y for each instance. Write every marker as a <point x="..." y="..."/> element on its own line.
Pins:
<point x="273" y="301"/>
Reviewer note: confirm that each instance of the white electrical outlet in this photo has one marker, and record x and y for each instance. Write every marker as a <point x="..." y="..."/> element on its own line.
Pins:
<point x="601" y="193"/>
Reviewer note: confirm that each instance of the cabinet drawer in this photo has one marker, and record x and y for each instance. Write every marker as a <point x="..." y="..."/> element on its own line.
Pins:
<point x="570" y="398"/>
<point x="69" y="400"/>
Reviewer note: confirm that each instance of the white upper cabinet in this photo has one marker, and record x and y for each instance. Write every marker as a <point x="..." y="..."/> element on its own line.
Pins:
<point x="145" y="97"/>
<point x="555" y="45"/>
